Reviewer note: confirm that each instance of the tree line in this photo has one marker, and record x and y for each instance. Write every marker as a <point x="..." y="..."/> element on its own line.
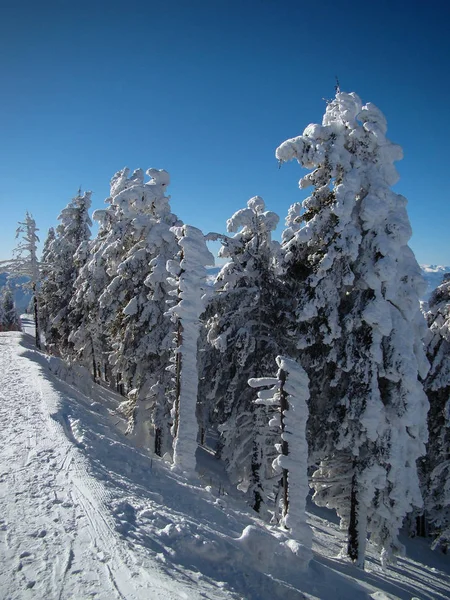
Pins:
<point x="353" y="380"/>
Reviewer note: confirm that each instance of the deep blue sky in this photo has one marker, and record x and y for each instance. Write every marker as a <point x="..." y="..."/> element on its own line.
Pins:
<point x="207" y="90"/>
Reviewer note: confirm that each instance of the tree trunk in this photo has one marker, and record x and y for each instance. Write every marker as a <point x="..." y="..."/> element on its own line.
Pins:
<point x="357" y="527"/>
<point x="94" y="368"/>
<point x="158" y="441"/>
<point x="256" y="480"/>
<point x="352" y="546"/>
<point x="284" y="445"/>
<point x="421" y="525"/>
<point x="36" y="320"/>
<point x="178" y="366"/>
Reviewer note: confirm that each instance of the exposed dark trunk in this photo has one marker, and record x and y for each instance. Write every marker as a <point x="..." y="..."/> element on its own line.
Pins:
<point x="94" y="367"/>
<point x="158" y="441"/>
<point x="176" y="421"/>
<point x="284" y="445"/>
<point x="119" y="384"/>
<point x="353" y="539"/>
<point x="421" y="526"/>
<point x="256" y="480"/>
<point x="36" y="320"/>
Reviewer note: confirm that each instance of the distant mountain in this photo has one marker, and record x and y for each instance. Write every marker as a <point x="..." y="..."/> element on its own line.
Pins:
<point x="21" y="297"/>
<point x="433" y="275"/>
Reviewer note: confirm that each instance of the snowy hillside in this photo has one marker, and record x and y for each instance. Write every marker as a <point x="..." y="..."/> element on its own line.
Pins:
<point x="433" y="275"/>
<point x="84" y="513"/>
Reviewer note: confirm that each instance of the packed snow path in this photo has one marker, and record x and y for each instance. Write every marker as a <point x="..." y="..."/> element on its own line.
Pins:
<point x="56" y="537"/>
<point x="85" y="514"/>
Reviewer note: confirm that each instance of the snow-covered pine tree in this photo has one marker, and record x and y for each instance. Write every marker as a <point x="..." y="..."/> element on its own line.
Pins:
<point x="360" y="330"/>
<point x="135" y="301"/>
<point x="9" y="319"/>
<point x="288" y="395"/>
<point x="26" y="264"/>
<point x="437" y="386"/>
<point x="88" y="341"/>
<point x="189" y="280"/>
<point x="244" y="323"/>
<point x="48" y="290"/>
<point x="62" y="270"/>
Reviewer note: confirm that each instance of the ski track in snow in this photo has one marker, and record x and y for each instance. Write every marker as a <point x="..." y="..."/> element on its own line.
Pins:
<point x="57" y="538"/>
<point x="86" y="514"/>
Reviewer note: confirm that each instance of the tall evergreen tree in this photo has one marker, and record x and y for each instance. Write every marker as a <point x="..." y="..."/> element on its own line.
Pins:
<point x="437" y="386"/>
<point x="26" y="264"/>
<point x="135" y="302"/>
<point x="48" y="292"/>
<point x="9" y="319"/>
<point x="61" y="268"/>
<point x="244" y="323"/>
<point x="360" y="330"/>
<point x="87" y="341"/>
<point x="121" y="296"/>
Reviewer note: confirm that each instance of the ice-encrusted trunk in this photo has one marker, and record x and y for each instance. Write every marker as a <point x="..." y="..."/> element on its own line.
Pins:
<point x="190" y="283"/>
<point x="289" y="394"/>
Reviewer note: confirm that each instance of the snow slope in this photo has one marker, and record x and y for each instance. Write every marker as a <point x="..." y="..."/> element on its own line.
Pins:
<point x="85" y="514"/>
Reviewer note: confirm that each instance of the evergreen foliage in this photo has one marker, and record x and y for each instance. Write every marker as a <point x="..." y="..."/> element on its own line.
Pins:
<point x="9" y="319"/>
<point x="244" y="322"/>
<point x="61" y="270"/>
<point x="26" y="264"/>
<point x="360" y="330"/>
<point x="437" y="386"/>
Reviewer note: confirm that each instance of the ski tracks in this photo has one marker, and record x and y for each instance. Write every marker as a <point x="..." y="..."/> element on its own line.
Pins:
<point x="54" y="539"/>
<point x="58" y="537"/>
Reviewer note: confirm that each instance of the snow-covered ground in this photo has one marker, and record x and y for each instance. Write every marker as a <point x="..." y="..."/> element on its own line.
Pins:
<point x="86" y="514"/>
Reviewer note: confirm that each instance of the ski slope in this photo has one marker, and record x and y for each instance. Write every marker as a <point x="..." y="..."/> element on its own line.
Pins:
<point x="86" y="514"/>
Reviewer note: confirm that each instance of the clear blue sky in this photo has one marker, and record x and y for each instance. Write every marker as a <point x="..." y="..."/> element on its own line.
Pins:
<point x="207" y="90"/>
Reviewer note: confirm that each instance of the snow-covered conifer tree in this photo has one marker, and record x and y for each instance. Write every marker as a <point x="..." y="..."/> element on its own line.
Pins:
<point x="62" y="270"/>
<point x="360" y="330"/>
<point x="26" y="264"/>
<point x="189" y="279"/>
<point x="88" y="341"/>
<point x="135" y="301"/>
<point x="48" y="290"/>
<point x="9" y="319"/>
<point x="121" y="297"/>
<point x="288" y="395"/>
<point x="437" y="386"/>
<point x="244" y="323"/>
